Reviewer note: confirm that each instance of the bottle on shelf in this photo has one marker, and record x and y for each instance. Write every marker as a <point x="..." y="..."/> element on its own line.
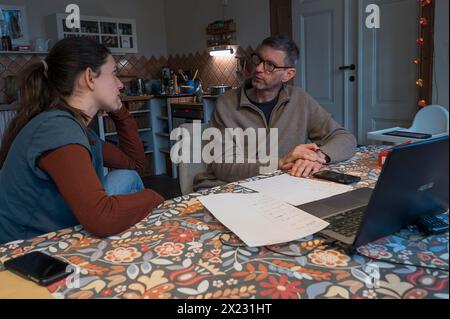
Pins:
<point x="171" y="84"/>
<point x="199" y="91"/>
<point x="166" y="77"/>
<point x="163" y="87"/>
<point x="6" y="43"/>
<point x="175" y="84"/>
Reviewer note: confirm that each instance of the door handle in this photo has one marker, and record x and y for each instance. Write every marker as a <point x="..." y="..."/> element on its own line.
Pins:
<point x="348" y="67"/>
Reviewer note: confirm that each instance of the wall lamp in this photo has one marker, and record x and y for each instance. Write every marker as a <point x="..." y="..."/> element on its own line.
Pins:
<point x="221" y="51"/>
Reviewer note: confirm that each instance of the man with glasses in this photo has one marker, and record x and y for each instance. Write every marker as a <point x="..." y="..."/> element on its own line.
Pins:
<point x="308" y="137"/>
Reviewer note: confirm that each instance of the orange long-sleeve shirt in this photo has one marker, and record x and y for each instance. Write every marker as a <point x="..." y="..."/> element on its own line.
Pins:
<point x="71" y="169"/>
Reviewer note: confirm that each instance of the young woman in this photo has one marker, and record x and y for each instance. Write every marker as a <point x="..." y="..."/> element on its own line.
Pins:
<point x="52" y="165"/>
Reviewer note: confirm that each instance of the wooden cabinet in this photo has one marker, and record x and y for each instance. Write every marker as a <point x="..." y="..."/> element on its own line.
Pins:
<point x="119" y="35"/>
<point x="221" y="33"/>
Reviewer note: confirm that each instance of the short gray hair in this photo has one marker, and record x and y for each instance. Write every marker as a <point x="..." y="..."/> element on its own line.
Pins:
<point x="285" y="44"/>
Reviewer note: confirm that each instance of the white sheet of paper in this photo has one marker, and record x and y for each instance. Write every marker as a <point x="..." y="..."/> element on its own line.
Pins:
<point x="295" y="190"/>
<point x="259" y="220"/>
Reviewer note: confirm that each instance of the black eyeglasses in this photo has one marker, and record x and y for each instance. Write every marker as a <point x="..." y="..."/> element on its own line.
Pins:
<point x="268" y="66"/>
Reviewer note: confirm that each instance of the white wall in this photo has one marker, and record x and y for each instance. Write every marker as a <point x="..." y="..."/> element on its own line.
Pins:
<point x="164" y="27"/>
<point x="186" y="21"/>
<point x="440" y="96"/>
<point x="149" y="16"/>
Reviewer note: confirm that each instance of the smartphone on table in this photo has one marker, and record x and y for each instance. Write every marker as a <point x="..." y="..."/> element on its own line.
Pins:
<point x="39" y="267"/>
<point x="422" y="136"/>
<point x="337" y="177"/>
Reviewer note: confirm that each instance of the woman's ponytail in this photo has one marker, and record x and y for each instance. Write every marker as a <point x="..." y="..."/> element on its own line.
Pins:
<point x="34" y="98"/>
<point x="46" y="85"/>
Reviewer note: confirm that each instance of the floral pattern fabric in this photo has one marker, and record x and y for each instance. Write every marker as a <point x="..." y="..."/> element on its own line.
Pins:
<point x="181" y="251"/>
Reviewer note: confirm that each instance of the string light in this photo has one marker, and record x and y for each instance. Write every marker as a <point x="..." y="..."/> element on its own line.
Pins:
<point x="423" y="22"/>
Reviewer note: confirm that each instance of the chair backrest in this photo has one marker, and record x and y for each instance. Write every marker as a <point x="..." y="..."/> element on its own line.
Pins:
<point x="432" y="119"/>
<point x="187" y="171"/>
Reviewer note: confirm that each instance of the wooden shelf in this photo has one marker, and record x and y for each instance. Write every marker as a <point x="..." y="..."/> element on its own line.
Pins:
<point x="9" y="107"/>
<point x="187" y="104"/>
<point x="219" y="32"/>
<point x="140" y="131"/>
<point x="136" y="98"/>
<point x="110" y="134"/>
<point x="228" y="28"/>
<point x="23" y="52"/>
<point x="139" y="111"/>
<point x="123" y="40"/>
<point x="165" y="150"/>
<point x="174" y="96"/>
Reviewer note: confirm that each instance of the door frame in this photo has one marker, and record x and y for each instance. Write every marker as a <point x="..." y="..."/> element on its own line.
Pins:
<point x="281" y="17"/>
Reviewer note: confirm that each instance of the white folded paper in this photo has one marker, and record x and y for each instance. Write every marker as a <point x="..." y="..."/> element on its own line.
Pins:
<point x="259" y="220"/>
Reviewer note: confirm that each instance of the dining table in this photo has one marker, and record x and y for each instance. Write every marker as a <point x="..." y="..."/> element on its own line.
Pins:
<point x="181" y="251"/>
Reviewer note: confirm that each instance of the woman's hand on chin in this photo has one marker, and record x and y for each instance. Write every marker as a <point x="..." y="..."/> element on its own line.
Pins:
<point x="103" y="113"/>
<point x="118" y="107"/>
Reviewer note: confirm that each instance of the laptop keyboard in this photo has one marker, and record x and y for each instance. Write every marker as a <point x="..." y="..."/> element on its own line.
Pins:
<point x="347" y="223"/>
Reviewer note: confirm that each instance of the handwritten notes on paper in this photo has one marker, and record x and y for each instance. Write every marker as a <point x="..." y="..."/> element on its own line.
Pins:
<point x="296" y="191"/>
<point x="259" y="220"/>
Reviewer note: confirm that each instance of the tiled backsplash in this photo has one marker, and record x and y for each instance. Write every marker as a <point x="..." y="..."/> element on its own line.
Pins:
<point x="12" y="65"/>
<point x="212" y="71"/>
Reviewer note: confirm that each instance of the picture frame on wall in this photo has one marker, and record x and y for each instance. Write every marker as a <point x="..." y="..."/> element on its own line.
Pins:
<point x="14" y="23"/>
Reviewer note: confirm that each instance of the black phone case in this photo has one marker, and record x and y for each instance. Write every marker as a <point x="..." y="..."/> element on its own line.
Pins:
<point x="346" y="179"/>
<point x="20" y="266"/>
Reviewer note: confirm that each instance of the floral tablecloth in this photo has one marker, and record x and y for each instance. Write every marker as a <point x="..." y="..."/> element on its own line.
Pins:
<point x="179" y="251"/>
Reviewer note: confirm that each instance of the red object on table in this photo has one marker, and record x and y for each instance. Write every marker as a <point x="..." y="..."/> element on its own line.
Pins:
<point x="384" y="153"/>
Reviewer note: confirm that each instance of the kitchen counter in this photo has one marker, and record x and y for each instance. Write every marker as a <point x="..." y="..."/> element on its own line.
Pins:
<point x="136" y="98"/>
<point x="165" y="96"/>
<point x="174" y="95"/>
<point x="208" y="96"/>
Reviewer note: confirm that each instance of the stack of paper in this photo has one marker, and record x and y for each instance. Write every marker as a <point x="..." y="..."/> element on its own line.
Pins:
<point x="296" y="191"/>
<point x="260" y="220"/>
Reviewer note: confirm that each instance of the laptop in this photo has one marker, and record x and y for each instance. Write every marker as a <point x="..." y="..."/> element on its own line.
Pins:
<point x="413" y="183"/>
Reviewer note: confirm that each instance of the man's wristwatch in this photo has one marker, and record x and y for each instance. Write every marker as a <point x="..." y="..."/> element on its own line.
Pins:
<point x="327" y="158"/>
